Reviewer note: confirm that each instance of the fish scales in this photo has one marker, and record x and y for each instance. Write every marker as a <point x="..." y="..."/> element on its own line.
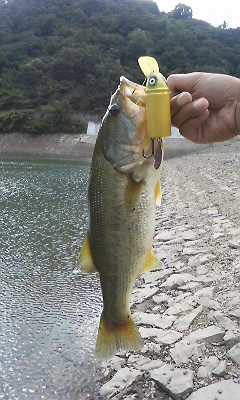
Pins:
<point x="122" y="199"/>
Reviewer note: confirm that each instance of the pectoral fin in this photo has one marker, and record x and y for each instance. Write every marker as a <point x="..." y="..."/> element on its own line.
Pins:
<point x="152" y="262"/>
<point x="85" y="259"/>
<point x="132" y="194"/>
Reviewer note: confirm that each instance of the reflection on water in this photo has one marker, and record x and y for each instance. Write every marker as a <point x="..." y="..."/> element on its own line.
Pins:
<point x="48" y="315"/>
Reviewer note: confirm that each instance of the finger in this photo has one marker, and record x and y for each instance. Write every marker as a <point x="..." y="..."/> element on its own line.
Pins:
<point x="183" y="82"/>
<point x="179" y="101"/>
<point x="189" y="111"/>
<point x="193" y="129"/>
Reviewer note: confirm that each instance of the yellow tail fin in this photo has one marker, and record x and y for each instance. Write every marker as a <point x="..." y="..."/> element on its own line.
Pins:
<point x="111" y="340"/>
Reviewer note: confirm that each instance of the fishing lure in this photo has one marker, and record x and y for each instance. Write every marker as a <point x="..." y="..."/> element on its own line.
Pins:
<point x="157" y="98"/>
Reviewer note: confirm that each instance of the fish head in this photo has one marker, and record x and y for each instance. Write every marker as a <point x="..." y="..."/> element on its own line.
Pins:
<point x="124" y="128"/>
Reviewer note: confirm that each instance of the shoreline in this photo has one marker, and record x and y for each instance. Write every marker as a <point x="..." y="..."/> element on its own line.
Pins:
<point x="76" y="146"/>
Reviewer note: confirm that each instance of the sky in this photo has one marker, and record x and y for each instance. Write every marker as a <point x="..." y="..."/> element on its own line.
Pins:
<point x="213" y="11"/>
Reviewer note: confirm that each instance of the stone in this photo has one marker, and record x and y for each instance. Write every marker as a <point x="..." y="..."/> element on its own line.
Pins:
<point x="201" y="259"/>
<point x="153" y="320"/>
<point x="161" y="298"/>
<point x="189" y="235"/>
<point x="164" y="337"/>
<point x="219" y="319"/>
<point x="121" y="380"/>
<point x="209" y="303"/>
<point x="221" y="369"/>
<point x="176" y="280"/>
<point x="176" y="382"/>
<point x="144" y="363"/>
<point x="182" y="352"/>
<point x="116" y="363"/>
<point x="231" y="338"/>
<point x="211" y="334"/>
<point x="234" y="243"/>
<point x="183" y="323"/>
<point x="141" y="294"/>
<point x="179" y="308"/>
<point x="189" y="286"/>
<point x="206" y="280"/>
<point x="222" y="390"/>
<point x="164" y="236"/>
<point x="204" y="292"/>
<point x="234" y="353"/>
<point x="153" y="277"/>
<point x="206" y="369"/>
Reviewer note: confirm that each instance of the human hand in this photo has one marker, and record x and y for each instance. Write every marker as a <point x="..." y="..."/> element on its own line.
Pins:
<point x="208" y="108"/>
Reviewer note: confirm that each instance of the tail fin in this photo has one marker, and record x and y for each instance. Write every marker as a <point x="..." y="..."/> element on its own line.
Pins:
<point x="121" y="337"/>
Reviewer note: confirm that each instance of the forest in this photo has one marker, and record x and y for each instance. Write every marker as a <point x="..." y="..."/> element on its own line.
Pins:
<point x="62" y="59"/>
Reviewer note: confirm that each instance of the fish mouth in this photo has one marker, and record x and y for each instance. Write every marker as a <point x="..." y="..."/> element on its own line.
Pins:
<point x="132" y="91"/>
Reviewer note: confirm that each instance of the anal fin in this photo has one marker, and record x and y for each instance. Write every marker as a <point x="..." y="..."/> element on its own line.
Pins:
<point x="158" y="193"/>
<point x="152" y="262"/>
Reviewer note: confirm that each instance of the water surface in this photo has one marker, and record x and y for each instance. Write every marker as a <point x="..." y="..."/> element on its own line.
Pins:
<point x="48" y="315"/>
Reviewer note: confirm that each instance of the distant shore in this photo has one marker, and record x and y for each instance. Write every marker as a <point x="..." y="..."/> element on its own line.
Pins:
<point x="76" y="146"/>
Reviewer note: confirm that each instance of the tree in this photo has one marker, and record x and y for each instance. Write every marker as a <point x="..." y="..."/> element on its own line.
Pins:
<point x="181" y="11"/>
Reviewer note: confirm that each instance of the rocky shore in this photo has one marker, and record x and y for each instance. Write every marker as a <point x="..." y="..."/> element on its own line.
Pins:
<point x="188" y="311"/>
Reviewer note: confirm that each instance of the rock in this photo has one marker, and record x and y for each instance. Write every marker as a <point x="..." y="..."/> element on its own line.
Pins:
<point x="222" y="390"/>
<point x="164" y="236"/>
<point x="234" y="353"/>
<point x="235" y="313"/>
<point x="141" y="294"/>
<point x="219" y="319"/>
<point x="209" y="364"/>
<point x="183" y="323"/>
<point x="153" y="320"/>
<point x="209" y="303"/>
<point x="182" y="352"/>
<point x="234" y="243"/>
<point x="211" y="334"/>
<point x="189" y="286"/>
<point x="122" y="379"/>
<point x="176" y="280"/>
<point x="164" y="337"/>
<point x="179" y="308"/>
<point x="199" y="260"/>
<point x="204" y="292"/>
<point x="116" y="363"/>
<point x="189" y="235"/>
<point x="231" y="338"/>
<point x="161" y="298"/>
<point x="153" y="277"/>
<point x="176" y="382"/>
<point x="206" y="280"/>
<point x="221" y="369"/>
<point x="144" y="363"/>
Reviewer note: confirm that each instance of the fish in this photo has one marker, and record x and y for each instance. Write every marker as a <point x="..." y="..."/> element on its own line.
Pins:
<point x="124" y="189"/>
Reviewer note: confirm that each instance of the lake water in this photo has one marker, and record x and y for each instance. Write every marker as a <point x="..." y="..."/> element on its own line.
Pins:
<point x="48" y="315"/>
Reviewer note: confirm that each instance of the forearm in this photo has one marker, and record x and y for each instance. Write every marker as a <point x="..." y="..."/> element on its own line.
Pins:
<point x="238" y="117"/>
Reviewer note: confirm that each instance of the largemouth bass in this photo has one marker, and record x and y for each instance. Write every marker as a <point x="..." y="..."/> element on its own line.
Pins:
<point x="124" y="188"/>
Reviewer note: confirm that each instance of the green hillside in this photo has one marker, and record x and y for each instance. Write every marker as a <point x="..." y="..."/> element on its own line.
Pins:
<point x="59" y="58"/>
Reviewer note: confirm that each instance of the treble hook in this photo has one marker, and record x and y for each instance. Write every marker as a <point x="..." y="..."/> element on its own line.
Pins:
<point x="156" y="153"/>
<point x="150" y="155"/>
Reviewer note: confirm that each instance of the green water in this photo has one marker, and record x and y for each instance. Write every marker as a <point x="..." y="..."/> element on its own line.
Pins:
<point x="48" y="314"/>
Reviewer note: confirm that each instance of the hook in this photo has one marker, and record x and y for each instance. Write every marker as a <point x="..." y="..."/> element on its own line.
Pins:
<point x="150" y="155"/>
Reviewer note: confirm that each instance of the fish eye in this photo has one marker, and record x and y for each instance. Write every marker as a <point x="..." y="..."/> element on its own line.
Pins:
<point x="114" y="110"/>
<point x="152" y="81"/>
